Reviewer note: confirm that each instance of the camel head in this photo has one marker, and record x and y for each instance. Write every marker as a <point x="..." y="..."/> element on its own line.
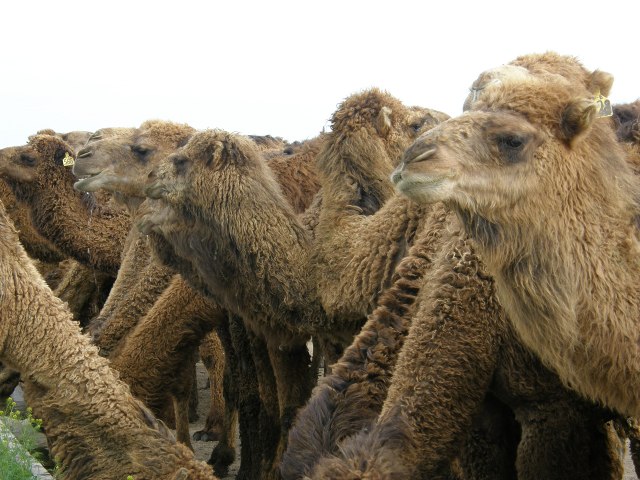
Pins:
<point x="527" y="140"/>
<point x="39" y="161"/>
<point x="370" y="130"/>
<point x="76" y="139"/>
<point x="120" y="161"/>
<point x="191" y="175"/>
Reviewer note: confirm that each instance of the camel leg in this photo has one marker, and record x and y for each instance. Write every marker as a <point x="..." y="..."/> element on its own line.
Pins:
<point x="269" y="421"/>
<point x="181" y="410"/>
<point x="294" y="381"/>
<point x="224" y="452"/>
<point x="212" y="355"/>
<point x="192" y="407"/>
<point x="248" y="401"/>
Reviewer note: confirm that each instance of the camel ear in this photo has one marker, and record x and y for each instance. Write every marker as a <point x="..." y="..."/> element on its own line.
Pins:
<point x="383" y="125"/>
<point x="217" y="153"/>
<point x="577" y="118"/>
<point x="601" y="83"/>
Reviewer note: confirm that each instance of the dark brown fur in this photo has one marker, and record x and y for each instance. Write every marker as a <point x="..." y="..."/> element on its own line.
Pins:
<point x="95" y="427"/>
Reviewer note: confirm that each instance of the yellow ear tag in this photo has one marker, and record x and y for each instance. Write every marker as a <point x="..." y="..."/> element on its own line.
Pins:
<point x="68" y="160"/>
<point x="604" y="106"/>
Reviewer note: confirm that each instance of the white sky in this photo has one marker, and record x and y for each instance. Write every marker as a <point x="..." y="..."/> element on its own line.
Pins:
<point x="278" y="67"/>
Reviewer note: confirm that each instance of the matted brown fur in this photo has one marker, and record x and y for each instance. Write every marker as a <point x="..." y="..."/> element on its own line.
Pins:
<point x="130" y="328"/>
<point x="567" y="277"/>
<point x="126" y="168"/>
<point x="399" y="131"/>
<point x="354" y="251"/>
<point x="95" y="427"/>
<point x="269" y="290"/>
<point x="62" y="215"/>
<point x="352" y="396"/>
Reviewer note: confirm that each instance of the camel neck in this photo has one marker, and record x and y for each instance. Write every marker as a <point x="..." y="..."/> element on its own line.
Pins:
<point x="78" y="226"/>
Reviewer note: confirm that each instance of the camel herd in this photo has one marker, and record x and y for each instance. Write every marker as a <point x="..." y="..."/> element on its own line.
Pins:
<point x="467" y="284"/>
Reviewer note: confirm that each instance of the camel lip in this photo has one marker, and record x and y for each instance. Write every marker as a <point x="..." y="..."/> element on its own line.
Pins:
<point x="85" y="183"/>
<point x="155" y="191"/>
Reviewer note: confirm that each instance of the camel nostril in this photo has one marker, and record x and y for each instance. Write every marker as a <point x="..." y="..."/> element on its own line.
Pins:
<point x="419" y="152"/>
<point x="85" y="152"/>
<point x="396" y="175"/>
<point x="152" y="175"/>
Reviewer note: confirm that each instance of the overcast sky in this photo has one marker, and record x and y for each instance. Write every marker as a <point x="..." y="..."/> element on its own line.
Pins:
<point x="278" y="67"/>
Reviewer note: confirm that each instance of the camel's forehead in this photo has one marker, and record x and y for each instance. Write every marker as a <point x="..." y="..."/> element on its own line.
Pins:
<point x="493" y="78"/>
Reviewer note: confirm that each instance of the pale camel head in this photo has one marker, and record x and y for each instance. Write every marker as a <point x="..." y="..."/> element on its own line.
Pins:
<point x="526" y="143"/>
<point x="120" y="161"/>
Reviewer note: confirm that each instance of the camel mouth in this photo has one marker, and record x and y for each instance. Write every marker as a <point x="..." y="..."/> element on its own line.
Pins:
<point x="155" y="191"/>
<point x="425" y="188"/>
<point x="86" y="183"/>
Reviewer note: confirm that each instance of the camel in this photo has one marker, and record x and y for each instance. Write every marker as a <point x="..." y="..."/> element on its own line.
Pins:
<point x="50" y="170"/>
<point x="414" y="422"/>
<point x="121" y="165"/>
<point x="271" y="292"/>
<point x="403" y="128"/>
<point x="94" y="426"/>
<point x="353" y="395"/>
<point x="35" y="174"/>
<point x="566" y="278"/>
<point x="134" y="304"/>
<point x="101" y="168"/>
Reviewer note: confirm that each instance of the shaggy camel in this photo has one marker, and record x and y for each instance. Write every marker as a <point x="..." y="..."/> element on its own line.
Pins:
<point x="428" y="413"/>
<point x="566" y="278"/>
<point x="257" y="273"/>
<point x="58" y="212"/>
<point x="352" y="396"/>
<point x="121" y="166"/>
<point x="124" y="175"/>
<point x="94" y="426"/>
<point x="254" y="177"/>
<point x="49" y="169"/>
<point x="135" y="297"/>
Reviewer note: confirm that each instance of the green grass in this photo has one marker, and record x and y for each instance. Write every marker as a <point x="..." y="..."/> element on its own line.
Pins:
<point x="15" y="459"/>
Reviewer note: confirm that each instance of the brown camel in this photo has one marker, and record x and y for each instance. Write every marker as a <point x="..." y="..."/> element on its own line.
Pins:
<point x="134" y="306"/>
<point x="566" y="277"/>
<point x="352" y="396"/>
<point x="121" y="166"/>
<point x="75" y="223"/>
<point x="430" y="412"/>
<point x="94" y="426"/>
<point x="101" y="168"/>
<point x="403" y="126"/>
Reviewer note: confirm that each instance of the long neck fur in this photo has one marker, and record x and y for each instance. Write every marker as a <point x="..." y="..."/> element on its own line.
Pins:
<point x="92" y="234"/>
<point x="568" y="279"/>
<point x="249" y="248"/>
<point x="364" y="230"/>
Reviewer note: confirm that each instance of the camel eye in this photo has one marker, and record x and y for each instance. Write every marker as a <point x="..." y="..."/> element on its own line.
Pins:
<point x="27" y="160"/>
<point x="513" y="142"/>
<point x="511" y="147"/>
<point x="141" y="152"/>
<point x="180" y="164"/>
<point x="416" y="127"/>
